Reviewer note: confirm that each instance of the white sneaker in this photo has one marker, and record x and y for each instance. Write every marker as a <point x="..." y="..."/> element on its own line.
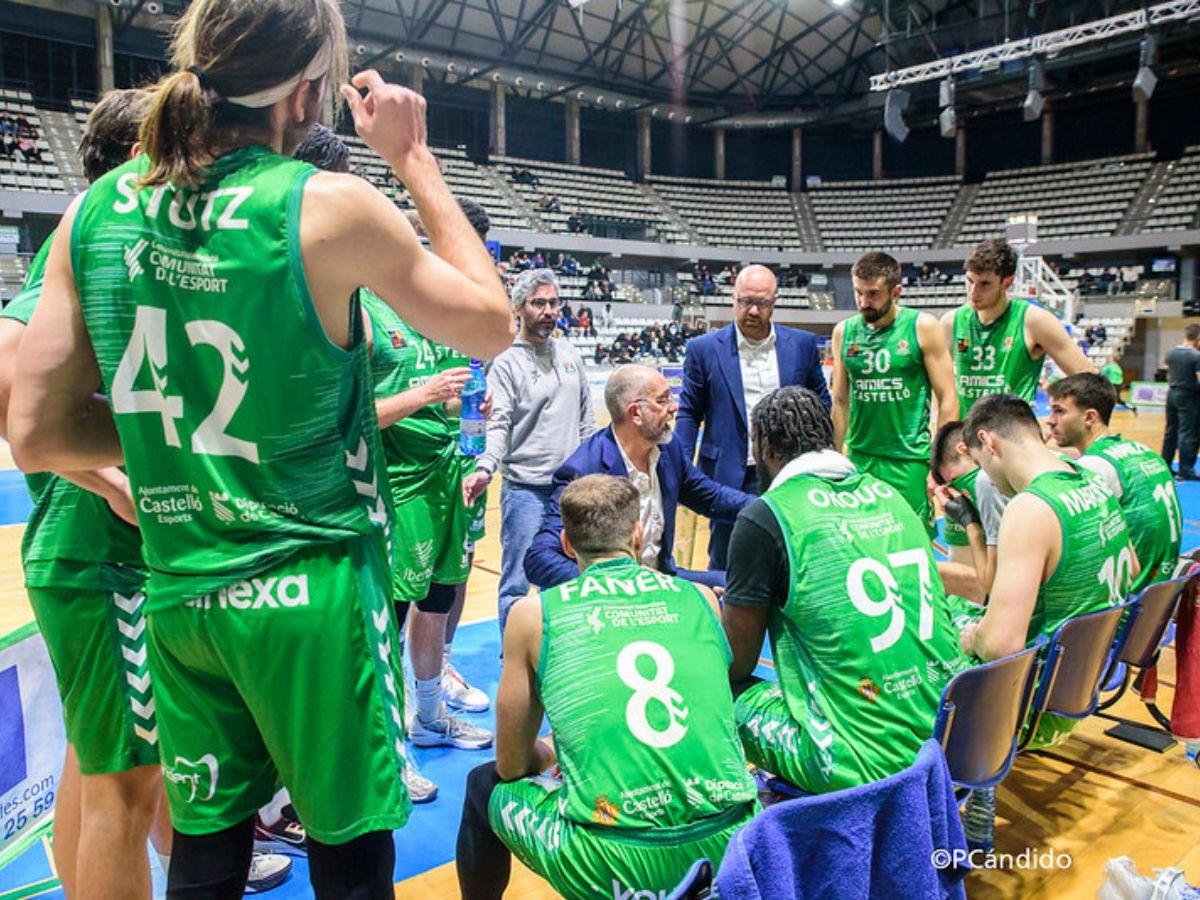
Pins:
<point x="420" y="788"/>
<point x="449" y="731"/>
<point x="460" y="695"/>
<point x="267" y="870"/>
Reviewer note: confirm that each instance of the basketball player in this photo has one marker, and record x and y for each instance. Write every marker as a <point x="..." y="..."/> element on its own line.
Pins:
<point x="1080" y="409"/>
<point x="1064" y="547"/>
<point x="887" y="361"/>
<point x="839" y="567"/>
<point x="628" y="665"/>
<point x="999" y="343"/>
<point x="207" y="285"/>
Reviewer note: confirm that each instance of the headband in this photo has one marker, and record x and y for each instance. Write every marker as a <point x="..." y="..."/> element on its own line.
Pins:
<point x="317" y="68"/>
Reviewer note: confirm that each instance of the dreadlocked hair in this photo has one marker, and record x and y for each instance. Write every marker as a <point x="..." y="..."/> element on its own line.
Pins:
<point x="791" y="421"/>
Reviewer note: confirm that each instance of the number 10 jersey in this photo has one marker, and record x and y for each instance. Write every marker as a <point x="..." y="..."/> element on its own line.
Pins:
<point x="247" y="434"/>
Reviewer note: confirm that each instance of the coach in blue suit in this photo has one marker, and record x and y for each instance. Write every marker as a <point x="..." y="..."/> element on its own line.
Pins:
<point x="640" y="441"/>
<point x="725" y="373"/>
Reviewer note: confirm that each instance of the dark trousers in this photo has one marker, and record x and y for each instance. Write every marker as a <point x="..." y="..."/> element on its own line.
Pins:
<point x="719" y="532"/>
<point x="1183" y="415"/>
<point x="484" y="864"/>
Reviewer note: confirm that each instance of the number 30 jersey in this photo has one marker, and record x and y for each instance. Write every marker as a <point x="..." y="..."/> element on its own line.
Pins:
<point x="634" y="677"/>
<point x="993" y="359"/>
<point x="863" y="644"/>
<point x="247" y="434"/>
<point x="889" y="388"/>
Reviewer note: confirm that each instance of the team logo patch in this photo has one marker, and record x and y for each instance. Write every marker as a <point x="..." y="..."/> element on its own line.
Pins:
<point x="605" y="812"/>
<point x="852" y="350"/>
<point x="902" y="346"/>
<point x="869" y="690"/>
<point x="397" y="340"/>
<point x="1008" y="343"/>
<point x="569" y="367"/>
<point x="963" y="345"/>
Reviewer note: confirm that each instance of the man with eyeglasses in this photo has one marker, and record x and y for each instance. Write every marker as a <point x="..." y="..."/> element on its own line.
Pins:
<point x="542" y="410"/>
<point x="725" y="373"/>
<point x="638" y="445"/>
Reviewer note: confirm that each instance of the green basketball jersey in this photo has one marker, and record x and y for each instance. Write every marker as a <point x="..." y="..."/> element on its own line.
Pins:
<point x="889" y="388"/>
<point x="993" y="359"/>
<point x="72" y="538"/>
<point x="247" y="434"/>
<point x="955" y="534"/>
<point x="863" y="645"/>
<point x="634" y="678"/>
<point x="1150" y="503"/>
<point x="1094" y="571"/>
<point x="423" y="443"/>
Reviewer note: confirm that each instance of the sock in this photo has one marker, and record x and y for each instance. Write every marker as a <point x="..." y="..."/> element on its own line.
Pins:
<point x="273" y="811"/>
<point x="429" y="698"/>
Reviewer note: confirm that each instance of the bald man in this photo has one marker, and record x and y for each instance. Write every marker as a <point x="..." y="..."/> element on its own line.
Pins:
<point x="638" y="445"/>
<point x="726" y="372"/>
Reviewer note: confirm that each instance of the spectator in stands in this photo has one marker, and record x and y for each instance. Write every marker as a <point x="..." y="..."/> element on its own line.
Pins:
<point x="1099" y="334"/>
<point x="606" y="317"/>
<point x="555" y="204"/>
<point x="727" y="372"/>
<point x="638" y="445"/>
<point x="539" y="260"/>
<point x="542" y="410"/>
<point x="1128" y="280"/>
<point x="725" y="276"/>
<point x="926" y="277"/>
<point x="522" y="175"/>
<point x="8" y="124"/>
<point x="606" y="290"/>
<point x="575" y="222"/>
<point x="1183" y="404"/>
<point x="27" y="150"/>
<point x="1086" y="283"/>
<point x="585" y="322"/>
<point x="25" y="127"/>
<point x="600" y="354"/>
<point x="592" y="293"/>
<point x="1108" y="282"/>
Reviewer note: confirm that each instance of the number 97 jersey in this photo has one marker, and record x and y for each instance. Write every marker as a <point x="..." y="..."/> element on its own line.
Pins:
<point x="247" y="434"/>
<point x="863" y="644"/>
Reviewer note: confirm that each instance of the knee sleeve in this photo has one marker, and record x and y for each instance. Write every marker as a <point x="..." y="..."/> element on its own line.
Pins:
<point x="211" y="866"/>
<point x="360" y="869"/>
<point x="439" y="600"/>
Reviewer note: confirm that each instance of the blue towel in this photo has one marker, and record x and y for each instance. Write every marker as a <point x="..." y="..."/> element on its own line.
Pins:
<point x="875" y="840"/>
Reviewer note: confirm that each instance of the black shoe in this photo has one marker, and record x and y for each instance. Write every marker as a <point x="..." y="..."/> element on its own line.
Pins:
<point x="1187" y="475"/>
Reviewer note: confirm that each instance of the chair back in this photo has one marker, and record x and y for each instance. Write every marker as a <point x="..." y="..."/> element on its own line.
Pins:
<point x="696" y="884"/>
<point x="980" y="718"/>
<point x="1080" y="653"/>
<point x="1148" y="622"/>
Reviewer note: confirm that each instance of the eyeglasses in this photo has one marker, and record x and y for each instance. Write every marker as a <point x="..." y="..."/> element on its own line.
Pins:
<point x="662" y="400"/>
<point x="751" y="303"/>
<point x="540" y="303"/>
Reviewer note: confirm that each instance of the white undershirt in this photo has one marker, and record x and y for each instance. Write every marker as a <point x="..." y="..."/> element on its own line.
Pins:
<point x="760" y="373"/>
<point x="650" y="506"/>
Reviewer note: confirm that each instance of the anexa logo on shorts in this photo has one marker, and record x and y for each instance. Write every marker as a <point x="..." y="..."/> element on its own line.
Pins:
<point x="257" y="593"/>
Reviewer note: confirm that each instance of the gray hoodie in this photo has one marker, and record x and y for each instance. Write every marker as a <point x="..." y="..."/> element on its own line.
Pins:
<point x="541" y="410"/>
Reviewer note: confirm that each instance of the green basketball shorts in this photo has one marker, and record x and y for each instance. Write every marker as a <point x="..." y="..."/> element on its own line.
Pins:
<point x="775" y="741"/>
<point x="97" y="645"/>
<point x="433" y="534"/>
<point x="596" y="861"/>
<point x="289" y="677"/>
<point x="907" y="476"/>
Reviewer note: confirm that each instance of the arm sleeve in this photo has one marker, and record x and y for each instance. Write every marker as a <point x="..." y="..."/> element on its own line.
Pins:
<point x="546" y="563"/>
<point x="758" y="563"/>
<point x="499" y="426"/>
<point x="692" y="404"/>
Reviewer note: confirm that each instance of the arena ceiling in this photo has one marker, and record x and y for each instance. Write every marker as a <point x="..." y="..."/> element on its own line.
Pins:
<point x="721" y="54"/>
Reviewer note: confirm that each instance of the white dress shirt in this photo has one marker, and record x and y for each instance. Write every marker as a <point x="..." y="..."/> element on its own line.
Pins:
<point x="760" y="374"/>
<point x="650" y="506"/>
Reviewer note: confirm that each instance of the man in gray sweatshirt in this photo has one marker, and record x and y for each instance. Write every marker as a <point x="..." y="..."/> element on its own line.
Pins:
<point x="541" y="411"/>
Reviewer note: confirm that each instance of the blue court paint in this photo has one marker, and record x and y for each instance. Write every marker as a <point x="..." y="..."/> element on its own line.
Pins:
<point x="429" y="838"/>
<point x="15" y="504"/>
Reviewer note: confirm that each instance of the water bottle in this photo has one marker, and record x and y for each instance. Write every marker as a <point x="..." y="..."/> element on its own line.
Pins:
<point x="472" y="435"/>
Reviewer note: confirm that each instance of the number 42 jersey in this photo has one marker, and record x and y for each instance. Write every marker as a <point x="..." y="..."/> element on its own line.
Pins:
<point x="247" y="434"/>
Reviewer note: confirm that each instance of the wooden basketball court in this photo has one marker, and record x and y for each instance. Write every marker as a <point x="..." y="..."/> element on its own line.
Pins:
<point x="1092" y="799"/>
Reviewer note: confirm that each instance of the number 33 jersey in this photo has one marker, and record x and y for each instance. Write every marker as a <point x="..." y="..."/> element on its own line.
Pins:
<point x="247" y="434"/>
<point x="864" y="644"/>
<point x="993" y="359"/>
<point x="634" y="677"/>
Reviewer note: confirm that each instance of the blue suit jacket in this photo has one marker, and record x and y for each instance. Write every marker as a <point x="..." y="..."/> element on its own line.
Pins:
<point x="713" y="396"/>
<point x="546" y="565"/>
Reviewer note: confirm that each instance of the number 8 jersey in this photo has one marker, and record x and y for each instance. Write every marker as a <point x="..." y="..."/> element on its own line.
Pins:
<point x="247" y="434"/>
<point x="634" y="677"/>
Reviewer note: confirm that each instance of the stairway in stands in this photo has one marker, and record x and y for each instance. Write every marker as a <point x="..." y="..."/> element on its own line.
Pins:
<point x="62" y="132"/>
<point x="956" y="216"/>
<point x="1141" y="207"/>
<point x="806" y="222"/>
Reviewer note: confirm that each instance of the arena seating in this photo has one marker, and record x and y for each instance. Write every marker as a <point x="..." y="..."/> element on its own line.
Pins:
<point x="1071" y="200"/>
<point x="901" y="214"/>
<point x="12" y="274"/>
<point x="29" y="175"/>
<point x="733" y="213"/>
<point x="944" y="294"/>
<point x="1178" y="202"/>
<point x="588" y="191"/>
